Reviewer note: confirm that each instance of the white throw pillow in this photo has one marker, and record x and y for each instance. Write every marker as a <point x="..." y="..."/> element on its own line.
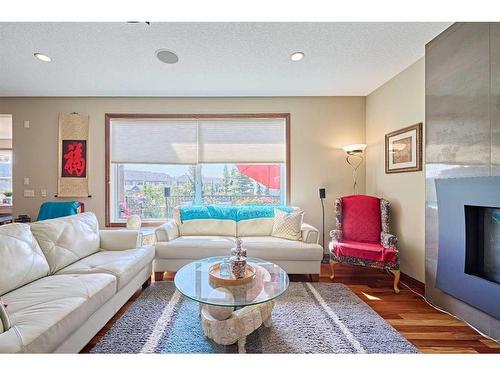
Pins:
<point x="287" y="225"/>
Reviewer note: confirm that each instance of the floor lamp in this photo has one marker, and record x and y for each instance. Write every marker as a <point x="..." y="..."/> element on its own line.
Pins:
<point x="354" y="158"/>
<point x="322" y="196"/>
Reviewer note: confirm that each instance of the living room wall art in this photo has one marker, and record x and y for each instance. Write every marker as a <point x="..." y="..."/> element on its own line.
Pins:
<point x="73" y="179"/>
<point x="403" y="150"/>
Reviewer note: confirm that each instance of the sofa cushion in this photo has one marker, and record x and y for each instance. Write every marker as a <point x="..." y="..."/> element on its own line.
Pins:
<point x="68" y="239"/>
<point x="21" y="259"/>
<point x="273" y="248"/>
<point x="205" y="220"/>
<point x="208" y="227"/>
<point x="124" y="264"/>
<point x="217" y="212"/>
<point x="255" y="227"/>
<point x="258" y="220"/>
<point x="44" y="313"/>
<point x="119" y="239"/>
<point x="195" y="247"/>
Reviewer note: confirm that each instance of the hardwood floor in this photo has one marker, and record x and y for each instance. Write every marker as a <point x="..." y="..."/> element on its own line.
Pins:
<point x="428" y="329"/>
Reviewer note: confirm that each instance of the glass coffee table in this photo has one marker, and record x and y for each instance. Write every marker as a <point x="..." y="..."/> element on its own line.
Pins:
<point x="230" y="313"/>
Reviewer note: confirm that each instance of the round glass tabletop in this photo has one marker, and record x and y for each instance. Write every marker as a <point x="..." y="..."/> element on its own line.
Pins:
<point x="193" y="281"/>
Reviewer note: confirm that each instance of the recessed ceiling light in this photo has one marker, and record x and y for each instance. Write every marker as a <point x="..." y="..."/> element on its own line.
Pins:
<point x="42" y="57"/>
<point x="166" y="56"/>
<point x="297" y="56"/>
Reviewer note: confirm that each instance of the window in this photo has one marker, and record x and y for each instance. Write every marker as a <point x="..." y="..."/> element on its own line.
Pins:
<point x="157" y="163"/>
<point x="5" y="160"/>
<point x="6" y="177"/>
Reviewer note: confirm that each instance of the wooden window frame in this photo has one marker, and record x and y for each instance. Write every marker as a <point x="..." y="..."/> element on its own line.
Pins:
<point x="114" y="116"/>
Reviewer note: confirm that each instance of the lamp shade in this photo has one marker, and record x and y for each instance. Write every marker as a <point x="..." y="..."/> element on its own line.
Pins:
<point x="358" y="147"/>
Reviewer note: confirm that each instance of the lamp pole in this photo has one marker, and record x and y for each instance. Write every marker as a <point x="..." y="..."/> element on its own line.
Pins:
<point x="322" y="196"/>
<point x="354" y="159"/>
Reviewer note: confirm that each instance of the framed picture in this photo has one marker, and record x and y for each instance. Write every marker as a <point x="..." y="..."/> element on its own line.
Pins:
<point x="403" y="150"/>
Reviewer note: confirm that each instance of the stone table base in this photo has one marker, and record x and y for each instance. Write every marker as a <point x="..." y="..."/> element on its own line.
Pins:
<point x="238" y="325"/>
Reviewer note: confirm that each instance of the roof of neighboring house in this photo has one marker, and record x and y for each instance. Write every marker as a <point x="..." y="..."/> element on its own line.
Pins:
<point x="135" y="189"/>
<point x="206" y="179"/>
<point x="182" y="179"/>
<point x="147" y="176"/>
<point x="130" y="175"/>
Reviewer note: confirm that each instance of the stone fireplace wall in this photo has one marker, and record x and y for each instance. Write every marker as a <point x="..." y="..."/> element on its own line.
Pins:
<point x="462" y="134"/>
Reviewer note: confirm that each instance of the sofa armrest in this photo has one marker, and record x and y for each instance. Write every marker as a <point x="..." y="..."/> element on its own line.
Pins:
<point x="167" y="231"/>
<point x="309" y="233"/>
<point x="388" y="240"/>
<point x="120" y="239"/>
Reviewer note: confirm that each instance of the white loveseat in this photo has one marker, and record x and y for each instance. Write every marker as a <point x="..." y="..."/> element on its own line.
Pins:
<point x="61" y="280"/>
<point x="179" y="242"/>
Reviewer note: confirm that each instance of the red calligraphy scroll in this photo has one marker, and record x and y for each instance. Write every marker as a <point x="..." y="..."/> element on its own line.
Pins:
<point x="74" y="158"/>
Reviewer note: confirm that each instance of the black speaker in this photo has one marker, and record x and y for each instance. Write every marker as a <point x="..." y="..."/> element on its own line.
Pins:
<point x="322" y="193"/>
<point x="166" y="191"/>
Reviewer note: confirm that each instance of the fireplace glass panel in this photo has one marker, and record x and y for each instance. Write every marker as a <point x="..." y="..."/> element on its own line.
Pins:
<point x="482" y="229"/>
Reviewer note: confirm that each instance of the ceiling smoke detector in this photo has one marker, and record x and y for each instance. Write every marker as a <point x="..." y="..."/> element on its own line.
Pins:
<point x="166" y="56"/>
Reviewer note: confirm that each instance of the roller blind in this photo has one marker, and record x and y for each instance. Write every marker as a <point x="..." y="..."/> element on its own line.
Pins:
<point x="242" y="141"/>
<point x="154" y="141"/>
<point x="171" y="141"/>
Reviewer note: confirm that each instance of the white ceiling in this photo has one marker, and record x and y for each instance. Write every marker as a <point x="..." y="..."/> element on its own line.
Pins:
<point x="215" y="59"/>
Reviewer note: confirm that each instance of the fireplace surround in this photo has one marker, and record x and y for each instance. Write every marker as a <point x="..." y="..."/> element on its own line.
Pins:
<point x="462" y="140"/>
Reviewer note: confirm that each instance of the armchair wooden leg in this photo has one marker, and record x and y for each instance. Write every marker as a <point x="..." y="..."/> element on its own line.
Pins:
<point x="332" y="266"/>
<point x="159" y="276"/>
<point x="396" y="274"/>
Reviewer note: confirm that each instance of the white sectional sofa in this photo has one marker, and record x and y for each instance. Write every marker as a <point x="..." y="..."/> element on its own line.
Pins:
<point x="179" y="242"/>
<point x="61" y="280"/>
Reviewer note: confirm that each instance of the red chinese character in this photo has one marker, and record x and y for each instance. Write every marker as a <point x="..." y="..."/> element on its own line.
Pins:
<point x="75" y="163"/>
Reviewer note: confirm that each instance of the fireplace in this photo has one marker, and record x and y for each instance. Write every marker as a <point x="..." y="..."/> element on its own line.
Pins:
<point x="469" y="241"/>
<point x="482" y="242"/>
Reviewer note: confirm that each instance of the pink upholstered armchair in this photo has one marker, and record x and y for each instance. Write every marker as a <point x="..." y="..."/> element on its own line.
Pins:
<point x="362" y="235"/>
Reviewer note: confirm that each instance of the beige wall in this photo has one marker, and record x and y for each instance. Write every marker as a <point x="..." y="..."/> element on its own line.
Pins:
<point x="319" y="127"/>
<point x="400" y="102"/>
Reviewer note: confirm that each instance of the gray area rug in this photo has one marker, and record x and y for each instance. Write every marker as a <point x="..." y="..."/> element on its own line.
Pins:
<point x="308" y="318"/>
